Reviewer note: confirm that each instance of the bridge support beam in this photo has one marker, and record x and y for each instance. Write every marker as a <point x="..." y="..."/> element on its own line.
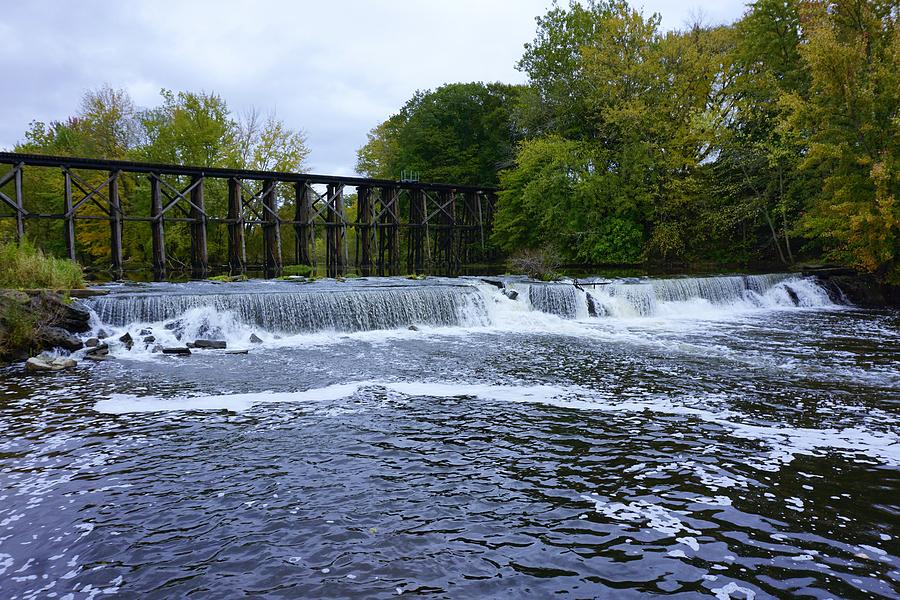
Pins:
<point x="200" y="255"/>
<point x="304" y="229"/>
<point x="20" y="208"/>
<point x="365" y="231"/>
<point x="69" y="218"/>
<point x="418" y="223"/>
<point x="115" y="225"/>
<point x="336" y="238"/>
<point x="271" y="231"/>
<point x="237" y="249"/>
<point x="389" y="232"/>
<point x="157" y="230"/>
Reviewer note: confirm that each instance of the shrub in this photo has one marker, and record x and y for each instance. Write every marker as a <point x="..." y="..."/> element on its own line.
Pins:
<point x="537" y="264"/>
<point x="24" y="266"/>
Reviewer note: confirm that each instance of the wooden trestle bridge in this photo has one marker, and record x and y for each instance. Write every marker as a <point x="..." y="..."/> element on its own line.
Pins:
<point x="441" y="227"/>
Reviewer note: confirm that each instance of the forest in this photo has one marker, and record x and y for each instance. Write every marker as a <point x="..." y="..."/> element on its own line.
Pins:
<point x="772" y="140"/>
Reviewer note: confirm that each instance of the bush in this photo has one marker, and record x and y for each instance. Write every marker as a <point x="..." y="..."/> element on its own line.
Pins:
<point x="304" y="270"/>
<point x="24" y="266"/>
<point x="537" y="264"/>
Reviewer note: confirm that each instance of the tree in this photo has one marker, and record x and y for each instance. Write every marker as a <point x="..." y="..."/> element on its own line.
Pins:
<point x="459" y="133"/>
<point x="849" y="116"/>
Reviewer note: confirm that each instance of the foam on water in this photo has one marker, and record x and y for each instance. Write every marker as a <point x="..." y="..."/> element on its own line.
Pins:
<point x="783" y="443"/>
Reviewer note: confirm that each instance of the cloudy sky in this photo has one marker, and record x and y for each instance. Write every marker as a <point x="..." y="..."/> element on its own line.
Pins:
<point x="333" y="68"/>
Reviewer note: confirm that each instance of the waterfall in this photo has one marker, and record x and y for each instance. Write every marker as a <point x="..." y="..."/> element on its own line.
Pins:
<point x="172" y="313"/>
<point x="307" y="311"/>
<point x="555" y="299"/>
<point x="649" y="297"/>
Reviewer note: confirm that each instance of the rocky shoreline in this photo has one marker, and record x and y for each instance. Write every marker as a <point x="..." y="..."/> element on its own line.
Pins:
<point x="36" y="320"/>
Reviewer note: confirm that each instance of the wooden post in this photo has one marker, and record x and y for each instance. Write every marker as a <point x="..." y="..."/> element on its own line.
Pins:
<point x="271" y="231"/>
<point x="304" y="228"/>
<point x="20" y="206"/>
<point x="365" y="232"/>
<point x="237" y="250"/>
<point x="448" y="215"/>
<point x="389" y="233"/>
<point x="200" y="258"/>
<point x="157" y="230"/>
<point x="336" y="238"/>
<point x="69" y="222"/>
<point x="418" y="221"/>
<point x="115" y="224"/>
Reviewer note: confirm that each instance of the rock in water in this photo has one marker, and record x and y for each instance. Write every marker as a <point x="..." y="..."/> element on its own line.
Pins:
<point x="180" y="351"/>
<point x="42" y="364"/>
<point x="592" y="307"/>
<point x="511" y="294"/>
<point x="244" y="351"/>
<point x="792" y="295"/>
<point x="213" y="344"/>
<point x="127" y="340"/>
<point x="255" y="339"/>
<point x="91" y="342"/>
<point x="413" y="328"/>
<point x="57" y="337"/>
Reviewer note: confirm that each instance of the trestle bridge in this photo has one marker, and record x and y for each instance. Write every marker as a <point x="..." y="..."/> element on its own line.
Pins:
<point x="424" y="227"/>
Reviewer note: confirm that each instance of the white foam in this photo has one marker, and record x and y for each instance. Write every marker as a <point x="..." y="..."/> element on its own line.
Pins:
<point x="640" y="512"/>
<point x="125" y="403"/>
<point x="784" y="442"/>
<point x="726" y="592"/>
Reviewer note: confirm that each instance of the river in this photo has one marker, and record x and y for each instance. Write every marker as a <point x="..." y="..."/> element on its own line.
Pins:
<point x="699" y="437"/>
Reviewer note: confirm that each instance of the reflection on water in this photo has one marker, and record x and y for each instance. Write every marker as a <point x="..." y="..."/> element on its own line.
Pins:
<point x="734" y="449"/>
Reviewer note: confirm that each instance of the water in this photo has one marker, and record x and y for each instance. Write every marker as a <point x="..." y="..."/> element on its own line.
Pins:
<point x="721" y="437"/>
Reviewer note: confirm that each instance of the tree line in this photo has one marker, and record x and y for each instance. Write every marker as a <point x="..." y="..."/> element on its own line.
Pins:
<point x="774" y="138"/>
<point x="185" y="128"/>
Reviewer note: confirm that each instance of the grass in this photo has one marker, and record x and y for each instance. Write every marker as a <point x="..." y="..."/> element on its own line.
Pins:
<point x="26" y="267"/>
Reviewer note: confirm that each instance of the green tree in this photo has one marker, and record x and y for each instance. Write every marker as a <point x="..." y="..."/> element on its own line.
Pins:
<point x="849" y="117"/>
<point x="459" y="133"/>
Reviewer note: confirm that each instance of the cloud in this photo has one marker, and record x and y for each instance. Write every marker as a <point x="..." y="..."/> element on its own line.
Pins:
<point x="333" y="69"/>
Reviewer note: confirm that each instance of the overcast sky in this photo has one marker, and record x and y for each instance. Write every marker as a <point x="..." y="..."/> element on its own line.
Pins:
<point x="333" y="68"/>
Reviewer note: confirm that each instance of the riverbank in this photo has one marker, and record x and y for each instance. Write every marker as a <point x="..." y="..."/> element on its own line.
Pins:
<point x="36" y="320"/>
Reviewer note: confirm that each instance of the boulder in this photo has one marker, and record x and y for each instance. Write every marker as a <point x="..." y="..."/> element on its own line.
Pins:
<point x="255" y="339"/>
<point x="92" y="342"/>
<point x="71" y="317"/>
<point x="127" y="340"/>
<point x="102" y="334"/>
<point x="242" y="351"/>
<point x="44" y="364"/>
<point x="795" y="299"/>
<point x="212" y="344"/>
<point x="511" y="294"/>
<point x="413" y="328"/>
<point x="149" y="339"/>
<point x="146" y="332"/>
<point x="497" y="284"/>
<point x="98" y="349"/>
<point x="57" y="337"/>
<point x="180" y="351"/>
